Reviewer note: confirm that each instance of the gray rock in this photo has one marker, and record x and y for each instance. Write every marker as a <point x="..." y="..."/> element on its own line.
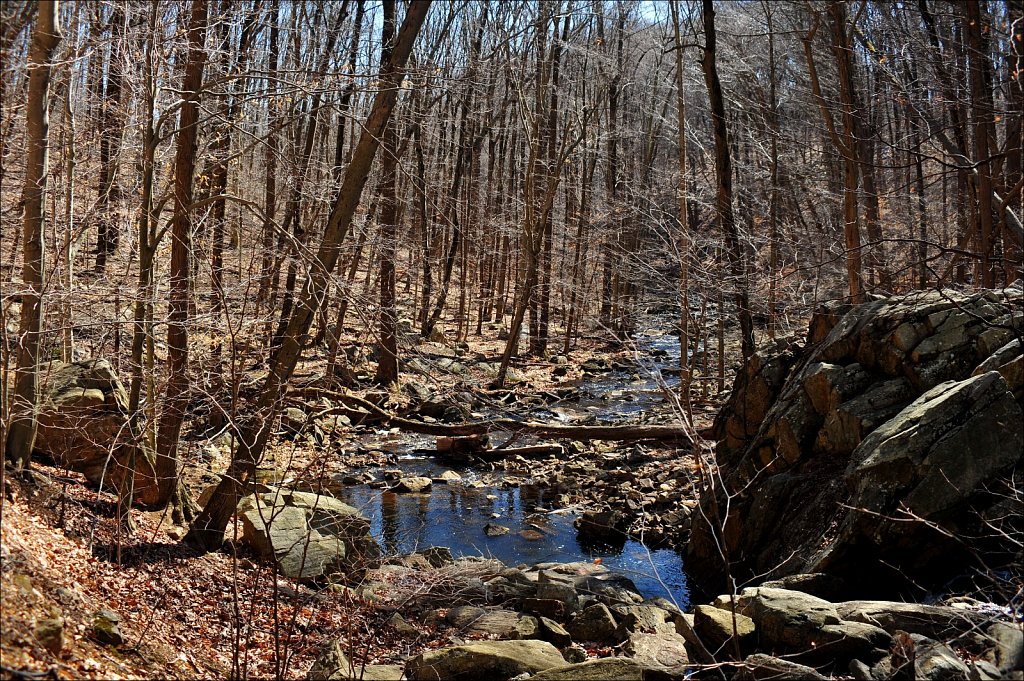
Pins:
<point x="498" y="660"/>
<point x="986" y="671"/>
<point x="929" y="460"/>
<point x="438" y="556"/>
<point x="1008" y="648"/>
<point x="309" y="535"/>
<point x="331" y="665"/>
<point x="593" y="623"/>
<point x="106" y="627"/>
<point x="782" y="616"/>
<point x="715" y="628"/>
<point x="605" y="669"/>
<point x="1009" y="362"/>
<point x="49" y="632"/>
<point x="546" y="607"/>
<point x="553" y="632"/>
<point x="510" y="585"/>
<point x="498" y="623"/>
<point x="83" y="425"/>
<point x="760" y="667"/>
<point x="559" y="591"/>
<point x="869" y="396"/>
<point x="413" y="485"/>
<point x="462" y="617"/>
<point x="860" y="671"/>
<point x="641" y="618"/>
<point x="604" y="525"/>
<point x="495" y="530"/>
<point x="936" y="661"/>
<point x="934" y="621"/>
<point x="662" y="654"/>
<point x="447" y="478"/>
<point x="402" y="626"/>
<point x="380" y="672"/>
<point x="797" y="623"/>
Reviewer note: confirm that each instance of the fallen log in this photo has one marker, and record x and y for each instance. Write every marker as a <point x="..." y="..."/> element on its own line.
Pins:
<point x="630" y="433"/>
<point x="475" y="447"/>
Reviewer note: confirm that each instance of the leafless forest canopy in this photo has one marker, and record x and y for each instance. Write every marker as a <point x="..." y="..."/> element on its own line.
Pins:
<point x="197" y="190"/>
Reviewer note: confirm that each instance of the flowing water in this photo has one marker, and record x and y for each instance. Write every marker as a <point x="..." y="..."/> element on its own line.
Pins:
<point x="454" y="516"/>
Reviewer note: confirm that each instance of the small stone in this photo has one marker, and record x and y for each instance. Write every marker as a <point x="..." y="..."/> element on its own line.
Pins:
<point x="105" y="627"/>
<point x="331" y="663"/>
<point x="438" y="556"/>
<point x="553" y="632"/>
<point x="552" y="608"/>
<point x="495" y="530"/>
<point x="50" y="634"/>
<point x="531" y="535"/>
<point x="413" y="485"/>
<point x="447" y="478"/>
<point x="574" y="654"/>
<point x="594" y="623"/>
<point x="402" y="627"/>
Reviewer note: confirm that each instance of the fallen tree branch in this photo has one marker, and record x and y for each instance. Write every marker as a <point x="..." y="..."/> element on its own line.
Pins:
<point x="659" y="432"/>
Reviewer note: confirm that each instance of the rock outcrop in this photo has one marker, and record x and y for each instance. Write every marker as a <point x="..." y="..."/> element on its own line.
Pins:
<point x="870" y="453"/>
<point x="84" y="426"/>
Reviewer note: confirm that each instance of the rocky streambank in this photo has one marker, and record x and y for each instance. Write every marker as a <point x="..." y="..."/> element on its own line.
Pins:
<point x="477" y="618"/>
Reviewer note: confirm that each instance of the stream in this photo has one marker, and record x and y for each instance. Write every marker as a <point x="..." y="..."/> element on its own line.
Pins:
<point x="455" y="515"/>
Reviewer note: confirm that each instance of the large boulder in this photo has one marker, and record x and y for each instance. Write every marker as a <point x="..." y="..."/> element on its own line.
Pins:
<point x="895" y="432"/>
<point x="496" y="660"/>
<point x="618" y="668"/>
<point x="796" y="623"/>
<point x="309" y="535"/>
<point x="84" y="425"/>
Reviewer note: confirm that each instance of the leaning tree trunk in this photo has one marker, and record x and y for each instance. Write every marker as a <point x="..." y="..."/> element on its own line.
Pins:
<point x="22" y="434"/>
<point x="208" y="529"/>
<point x="176" y="395"/>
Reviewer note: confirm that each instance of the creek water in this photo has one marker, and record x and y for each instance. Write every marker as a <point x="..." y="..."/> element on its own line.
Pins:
<point x="455" y="515"/>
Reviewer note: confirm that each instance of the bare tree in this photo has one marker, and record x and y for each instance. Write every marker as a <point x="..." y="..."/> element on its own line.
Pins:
<point x="208" y="529"/>
<point x="177" y="393"/>
<point x="21" y="436"/>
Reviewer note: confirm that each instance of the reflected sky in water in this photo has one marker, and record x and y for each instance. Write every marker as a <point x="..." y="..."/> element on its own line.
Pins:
<point x="454" y="516"/>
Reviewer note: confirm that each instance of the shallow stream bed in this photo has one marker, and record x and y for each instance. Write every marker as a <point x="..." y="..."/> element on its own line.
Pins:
<point x="455" y="515"/>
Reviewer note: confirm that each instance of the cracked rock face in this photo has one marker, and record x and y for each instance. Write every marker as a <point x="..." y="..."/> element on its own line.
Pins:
<point x="899" y="424"/>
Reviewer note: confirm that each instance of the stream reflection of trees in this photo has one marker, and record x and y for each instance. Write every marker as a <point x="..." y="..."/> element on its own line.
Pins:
<point x="390" y="522"/>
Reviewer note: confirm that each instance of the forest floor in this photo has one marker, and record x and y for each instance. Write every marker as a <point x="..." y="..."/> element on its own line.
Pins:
<point x="188" y="615"/>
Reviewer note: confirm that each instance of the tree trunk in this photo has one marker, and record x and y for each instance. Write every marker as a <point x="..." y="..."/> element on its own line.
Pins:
<point x="723" y="170"/>
<point x="177" y="392"/>
<point x="22" y="434"/>
<point x="683" y="239"/>
<point x="111" y="124"/>
<point x="387" y="366"/>
<point x="981" y="117"/>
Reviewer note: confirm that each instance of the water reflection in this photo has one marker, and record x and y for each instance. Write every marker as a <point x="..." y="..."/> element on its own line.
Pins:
<point x="455" y="515"/>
